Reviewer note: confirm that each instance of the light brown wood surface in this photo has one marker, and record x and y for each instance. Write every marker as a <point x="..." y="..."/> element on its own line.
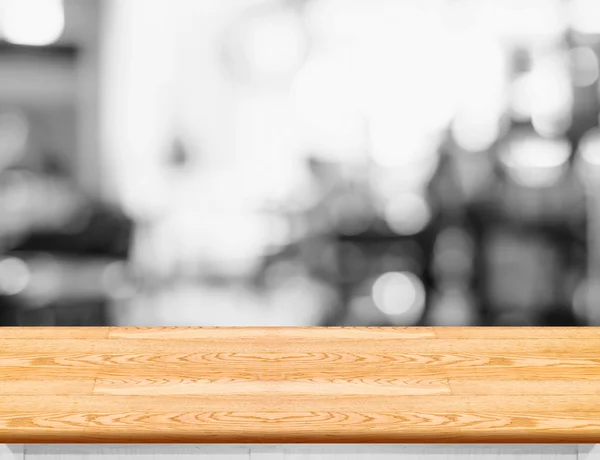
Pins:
<point x="300" y="385"/>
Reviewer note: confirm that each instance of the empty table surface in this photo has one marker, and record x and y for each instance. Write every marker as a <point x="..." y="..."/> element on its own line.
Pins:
<point x="299" y="385"/>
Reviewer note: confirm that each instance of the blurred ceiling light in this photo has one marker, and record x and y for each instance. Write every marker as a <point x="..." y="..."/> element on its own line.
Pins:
<point x="268" y="42"/>
<point x="407" y="214"/>
<point x="14" y="276"/>
<point x="32" y="22"/>
<point x="533" y="161"/>
<point x="400" y="295"/>
<point x="584" y="63"/>
<point x="584" y="16"/>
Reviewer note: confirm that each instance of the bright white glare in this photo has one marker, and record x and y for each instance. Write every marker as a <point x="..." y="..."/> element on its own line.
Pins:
<point x="398" y="85"/>
<point x="397" y="142"/>
<point x="584" y="16"/>
<point x="544" y="95"/>
<point x="390" y="181"/>
<point x="477" y="123"/>
<point x="380" y="80"/>
<point x="535" y="161"/>
<point x="475" y="132"/>
<point x="325" y="101"/>
<point x="274" y="44"/>
<point x="399" y="294"/>
<point x="551" y="126"/>
<point x="522" y="97"/>
<point x="407" y="214"/>
<point x="32" y="22"/>
<point x="585" y="66"/>
<point x="14" y="276"/>
<point x="484" y="64"/>
<point x="589" y="147"/>
<point x="535" y="22"/>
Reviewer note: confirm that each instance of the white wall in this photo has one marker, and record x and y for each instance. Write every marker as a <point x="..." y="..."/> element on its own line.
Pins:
<point x="301" y="452"/>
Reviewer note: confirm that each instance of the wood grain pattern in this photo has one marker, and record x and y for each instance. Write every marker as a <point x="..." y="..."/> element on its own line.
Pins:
<point x="300" y="385"/>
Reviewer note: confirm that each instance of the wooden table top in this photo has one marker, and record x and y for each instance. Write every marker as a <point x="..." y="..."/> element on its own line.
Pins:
<point x="300" y="385"/>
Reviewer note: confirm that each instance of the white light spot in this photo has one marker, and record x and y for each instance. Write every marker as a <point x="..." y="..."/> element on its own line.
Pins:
<point x="274" y="44"/>
<point x="584" y="16"/>
<point x="407" y="214"/>
<point x="589" y="147"/>
<point x="399" y="294"/>
<point x="14" y="276"/>
<point x="475" y="133"/>
<point x="535" y="161"/>
<point x="32" y="22"/>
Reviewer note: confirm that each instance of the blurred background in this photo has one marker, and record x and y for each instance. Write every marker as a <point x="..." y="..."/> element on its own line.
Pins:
<point x="299" y="162"/>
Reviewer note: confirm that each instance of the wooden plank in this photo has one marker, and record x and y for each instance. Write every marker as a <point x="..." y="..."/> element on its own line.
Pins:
<point x="520" y="387"/>
<point x="516" y="332"/>
<point x="53" y="333"/>
<point x="175" y="386"/>
<point x="44" y="386"/>
<point x="290" y="333"/>
<point x="298" y="427"/>
<point x="277" y="348"/>
<point x="382" y="385"/>
<point x="262" y="402"/>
